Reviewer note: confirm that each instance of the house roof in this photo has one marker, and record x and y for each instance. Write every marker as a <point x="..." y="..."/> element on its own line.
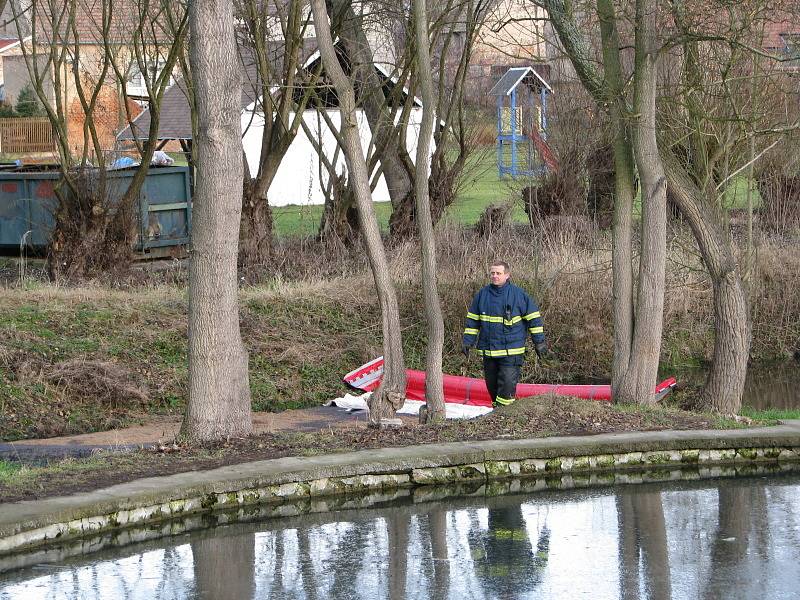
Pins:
<point x="86" y="27"/>
<point x="516" y="75"/>
<point x="176" y="123"/>
<point x="775" y="33"/>
<point x="326" y="95"/>
<point x="8" y="44"/>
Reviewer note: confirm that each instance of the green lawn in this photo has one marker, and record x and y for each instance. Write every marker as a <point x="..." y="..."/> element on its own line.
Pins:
<point x="481" y="188"/>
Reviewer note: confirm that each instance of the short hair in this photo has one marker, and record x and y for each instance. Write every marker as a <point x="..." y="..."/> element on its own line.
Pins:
<point x="501" y="263"/>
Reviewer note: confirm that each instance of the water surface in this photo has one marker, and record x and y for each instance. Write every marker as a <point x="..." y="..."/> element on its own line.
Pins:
<point x="733" y="538"/>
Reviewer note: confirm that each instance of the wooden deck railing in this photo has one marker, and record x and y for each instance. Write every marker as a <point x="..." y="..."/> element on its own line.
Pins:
<point x="28" y="134"/>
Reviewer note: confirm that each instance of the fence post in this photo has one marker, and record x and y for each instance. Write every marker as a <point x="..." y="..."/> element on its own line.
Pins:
<point x="26" y="134"/>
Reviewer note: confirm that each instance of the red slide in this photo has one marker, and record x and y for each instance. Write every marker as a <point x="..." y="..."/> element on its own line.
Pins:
<point x="544" y="150"/>
<point x="471" y="390"/>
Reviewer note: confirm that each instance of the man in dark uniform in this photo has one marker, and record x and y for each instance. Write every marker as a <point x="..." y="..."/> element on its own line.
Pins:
<point x="498" y="322"/>
<point x="505" y="562"/>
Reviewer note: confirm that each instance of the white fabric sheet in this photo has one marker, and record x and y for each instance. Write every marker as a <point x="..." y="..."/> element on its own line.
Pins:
<point x="411" y="407"/>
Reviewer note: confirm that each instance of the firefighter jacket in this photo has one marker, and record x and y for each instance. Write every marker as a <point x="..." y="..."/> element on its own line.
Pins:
<point x="499" y="320"/>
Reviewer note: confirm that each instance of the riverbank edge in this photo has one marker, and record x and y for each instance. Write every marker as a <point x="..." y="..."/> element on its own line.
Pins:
<point x="564" y="461"/>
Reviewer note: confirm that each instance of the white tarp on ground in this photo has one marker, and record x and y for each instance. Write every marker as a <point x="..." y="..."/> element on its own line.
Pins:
<point x="411" y="407"/>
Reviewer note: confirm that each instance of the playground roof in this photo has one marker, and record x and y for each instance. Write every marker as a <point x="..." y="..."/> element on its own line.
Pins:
<point x="516" y="75"/>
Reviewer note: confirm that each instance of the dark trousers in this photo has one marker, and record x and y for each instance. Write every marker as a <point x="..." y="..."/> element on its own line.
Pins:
<point x="502" y="375"/>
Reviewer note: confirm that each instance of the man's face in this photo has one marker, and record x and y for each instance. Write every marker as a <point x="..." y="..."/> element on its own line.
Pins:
<point x="498" y="275"/>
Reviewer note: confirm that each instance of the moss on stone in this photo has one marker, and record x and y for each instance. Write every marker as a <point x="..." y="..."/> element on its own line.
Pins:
<point x="658" y="458"/>
<point x="250" y="497"/>
<point x="747" y="453"/>
<point x="690" y="456"/>
<point x="497" y="468"/>
<point x="552" y="465"/>
<point x="472" y="472"/>
<point x="580" y="463"/>
<point x="209" y="501"/>
<point x="604" y="461"/>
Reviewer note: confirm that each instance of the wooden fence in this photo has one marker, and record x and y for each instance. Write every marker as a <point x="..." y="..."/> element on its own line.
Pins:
<point x="24" y="135"/>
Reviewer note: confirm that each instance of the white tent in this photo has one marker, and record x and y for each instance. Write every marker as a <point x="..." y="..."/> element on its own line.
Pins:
<point x="301" y="175"/>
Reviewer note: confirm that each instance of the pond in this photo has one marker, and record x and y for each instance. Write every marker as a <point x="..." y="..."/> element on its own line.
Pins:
<point x="727" y="538"/>
<point x="767" y="386"/>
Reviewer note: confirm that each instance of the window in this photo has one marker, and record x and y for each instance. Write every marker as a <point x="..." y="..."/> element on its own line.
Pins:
<point x="136" y="85"/>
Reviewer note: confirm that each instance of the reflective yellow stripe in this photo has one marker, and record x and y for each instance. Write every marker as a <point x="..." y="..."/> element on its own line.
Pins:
<point x="491" y="319"/>
<point x="504" y="401"/>
<point x="471" y="331"/>
<point x="536" y="329"/>
<point x="532" y="315"/>
<point x="497" y="319"/>
<point x="509" y="534"/>
<point x="508" y="352"/>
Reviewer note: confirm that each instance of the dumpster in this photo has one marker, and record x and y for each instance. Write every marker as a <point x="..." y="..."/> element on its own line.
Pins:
<point x="164" y="217"/>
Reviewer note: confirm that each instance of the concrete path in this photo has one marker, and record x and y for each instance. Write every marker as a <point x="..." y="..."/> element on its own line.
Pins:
<point x="164" y="429"/>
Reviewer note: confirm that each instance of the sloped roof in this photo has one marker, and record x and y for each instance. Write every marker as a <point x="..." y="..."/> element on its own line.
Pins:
<point x="175" y="122"/>
<point x="516" y="75"/>
<point x="775" y="31"/>
<point x="8" y="43"/>
<point x="86" y="25"/>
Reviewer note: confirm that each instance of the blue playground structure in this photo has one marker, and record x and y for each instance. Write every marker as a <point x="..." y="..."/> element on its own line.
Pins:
<point x="522" y="149"/>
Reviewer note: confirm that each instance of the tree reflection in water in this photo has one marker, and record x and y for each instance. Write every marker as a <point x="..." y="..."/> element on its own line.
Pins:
<point x="741" y="527"/>
<point x="649" y="541"/>
<point x="642" y="536"/>
<point x="224" y="566"/>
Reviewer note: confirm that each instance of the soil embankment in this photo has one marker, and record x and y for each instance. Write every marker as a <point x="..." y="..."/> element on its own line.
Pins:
<point x="83" y="359"/>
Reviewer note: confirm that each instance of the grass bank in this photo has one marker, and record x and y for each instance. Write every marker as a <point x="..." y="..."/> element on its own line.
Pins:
<point x="540" y="417"/>
<point x="74" y="360"/>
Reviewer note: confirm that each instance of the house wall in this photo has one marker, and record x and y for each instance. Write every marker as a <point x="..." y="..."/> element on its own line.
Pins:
<point x="109" y="115"/>
<point x="15" y="77"/>
<point x="7" y="26"/>
<point x="511" y="36"/>
<point x="298" y="178"/>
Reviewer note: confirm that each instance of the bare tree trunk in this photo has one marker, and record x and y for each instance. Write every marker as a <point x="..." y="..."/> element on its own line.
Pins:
<point x="390" y="396"/>
<point x="255" y="233"/>
<point x="219" y="391"/>
<point x="224" y="566"/>
<point x="395" y="162"/>
<point x="434" y="392"/>
<point x="733" y="330"/>
<point x="638" y="383"/>
<point x="637" y="333"/>
<point x="276" y="80"/>
<point x="625" y="190"/>
<point x="725" y="382"/>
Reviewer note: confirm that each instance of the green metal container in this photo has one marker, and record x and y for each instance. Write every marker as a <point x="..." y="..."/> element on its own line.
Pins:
<point x="28" y="203"/>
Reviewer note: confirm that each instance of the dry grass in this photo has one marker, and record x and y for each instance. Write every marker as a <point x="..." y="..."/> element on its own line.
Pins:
<point x="82" y="358"/>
